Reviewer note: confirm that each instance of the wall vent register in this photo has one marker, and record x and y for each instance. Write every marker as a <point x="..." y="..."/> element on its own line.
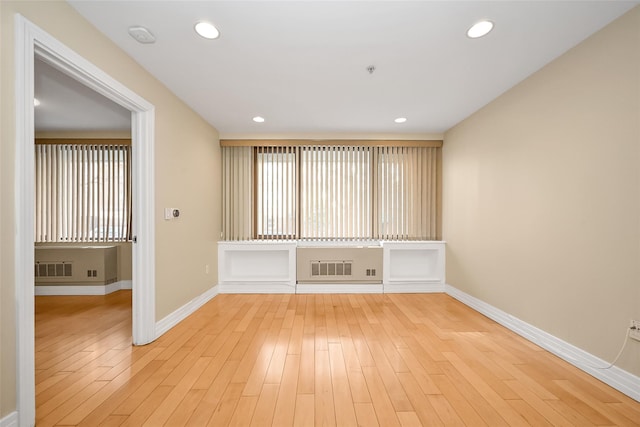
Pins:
<point x="54" y="269"/>
<point x="331" y="268"/>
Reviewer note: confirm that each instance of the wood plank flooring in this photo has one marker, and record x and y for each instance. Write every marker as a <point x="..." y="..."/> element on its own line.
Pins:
<point x="307" y="360"/>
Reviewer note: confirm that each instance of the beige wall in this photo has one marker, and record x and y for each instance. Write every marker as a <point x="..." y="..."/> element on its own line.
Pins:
<point x="542" y="196"/>
<point x="124" y="255"/>
<point x="187" y="173"/>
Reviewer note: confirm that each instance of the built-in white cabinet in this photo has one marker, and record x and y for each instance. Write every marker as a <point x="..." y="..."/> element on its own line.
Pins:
<point x="257" y="267"/>
<point x="271" y="267"/>
<point x="413" y="267"/>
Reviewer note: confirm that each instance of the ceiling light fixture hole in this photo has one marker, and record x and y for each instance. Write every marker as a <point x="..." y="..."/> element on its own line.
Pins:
<point x="207" y="30"/>
<point x="480" y="29"/>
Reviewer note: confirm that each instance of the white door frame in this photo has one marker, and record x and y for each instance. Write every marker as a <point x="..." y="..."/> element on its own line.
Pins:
<point x="32" y="42"/>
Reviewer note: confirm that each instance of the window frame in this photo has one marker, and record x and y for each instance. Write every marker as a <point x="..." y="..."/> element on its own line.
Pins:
<point x="427" y="218"/>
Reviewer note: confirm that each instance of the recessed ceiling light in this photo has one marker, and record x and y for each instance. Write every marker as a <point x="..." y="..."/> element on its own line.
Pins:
<point x="480" y="29"/>
<point x="400" y="120"/>
<point x="258" y="119"/>
<point x="36" y="102"/>
<point x="207" y="30"/>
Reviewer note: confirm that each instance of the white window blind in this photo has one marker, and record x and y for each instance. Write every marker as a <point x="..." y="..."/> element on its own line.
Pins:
<point x="83" y="193"/>
<point x="277" y="193"/>
<point x="330" y="192"/>
<point x="335" y="193"/>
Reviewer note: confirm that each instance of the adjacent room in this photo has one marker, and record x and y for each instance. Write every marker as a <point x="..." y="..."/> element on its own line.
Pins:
<point x="83" y="232"/>
<point x="305" y="213"/>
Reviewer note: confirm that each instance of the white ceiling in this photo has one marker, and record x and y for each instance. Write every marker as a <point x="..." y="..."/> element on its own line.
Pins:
<point x="68" y="105"/>
<point x="303" y="64"/>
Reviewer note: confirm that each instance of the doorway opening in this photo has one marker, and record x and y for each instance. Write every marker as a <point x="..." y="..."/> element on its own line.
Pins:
<point x="32" y="43"/>
<point x="83" y="233"/>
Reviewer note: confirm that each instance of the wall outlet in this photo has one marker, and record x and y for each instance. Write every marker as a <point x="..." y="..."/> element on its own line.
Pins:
<point x="634" y="332"/>
<point x="206" y="269"/>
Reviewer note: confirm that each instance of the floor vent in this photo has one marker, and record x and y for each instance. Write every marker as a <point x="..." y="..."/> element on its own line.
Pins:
<point x="54" y="269"/>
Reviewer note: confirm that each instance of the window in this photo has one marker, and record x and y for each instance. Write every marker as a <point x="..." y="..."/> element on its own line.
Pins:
<point x="83" y="193"/>
<point x="335" y="193"/>
<point x="406" y="193"/>
<point x="276" y="196"/>
<point x="331" y="192"/>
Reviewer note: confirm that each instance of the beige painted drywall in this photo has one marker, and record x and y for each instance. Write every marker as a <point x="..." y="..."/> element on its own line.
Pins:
<point x="187" y="164"/>
<point x="542" y="196"/>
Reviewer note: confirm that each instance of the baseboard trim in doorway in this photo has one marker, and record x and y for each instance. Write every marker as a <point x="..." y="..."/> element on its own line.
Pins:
<point x="10" y="420"/>
<point x="82" y="289"/>
<point x="183" y="312"/>
<point x="617" y="378"/>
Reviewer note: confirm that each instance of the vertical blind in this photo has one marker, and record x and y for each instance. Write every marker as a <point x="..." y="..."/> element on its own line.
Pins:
<point x="276" y="192"/>
<point x="83" y="193"/>
<point x="237" y="187"/>
<point x="330" y="193"/>
<point x="335" y="193"/>
<point x="406" y="193"/>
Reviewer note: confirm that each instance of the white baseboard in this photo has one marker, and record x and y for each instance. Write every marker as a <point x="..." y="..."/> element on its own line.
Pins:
<point x="329" y="288"/>
<point x="336" y="288"/>
<point x="617" y="378"/>
<point x="83" y="289"/>
<point x="10" y="420"/>
<point x="126" y="284"/>
<point x="413" y="288"/>
<point x="256" y="288"/>
<point x="183" y="312"/>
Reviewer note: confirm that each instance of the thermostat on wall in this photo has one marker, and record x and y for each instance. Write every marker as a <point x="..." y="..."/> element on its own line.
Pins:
<point x="171" y="213"/>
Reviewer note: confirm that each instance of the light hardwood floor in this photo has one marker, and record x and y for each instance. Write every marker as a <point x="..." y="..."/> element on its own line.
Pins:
<point x="303" y="360"/>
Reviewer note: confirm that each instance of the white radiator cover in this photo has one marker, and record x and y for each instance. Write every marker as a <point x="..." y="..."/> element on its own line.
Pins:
<point x="354" y="265"/>
<point x="417" y="266"/>
<point x="257" y="267"/>
<point x="287" y="266"/>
